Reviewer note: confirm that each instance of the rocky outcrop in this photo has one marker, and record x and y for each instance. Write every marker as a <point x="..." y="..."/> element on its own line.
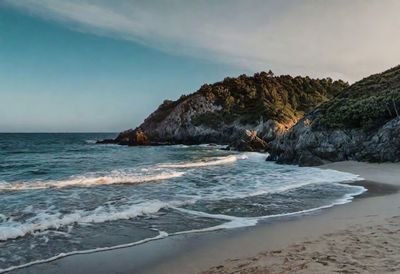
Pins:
<point x="358" y="122"/>
<point x="250" y="142"/>
<point x="343" y="129"/>
<point x="221" y="113"/>
<point x="308" y="147"/>
<point x="133" y="138"/>
<point x="129" y="138"/>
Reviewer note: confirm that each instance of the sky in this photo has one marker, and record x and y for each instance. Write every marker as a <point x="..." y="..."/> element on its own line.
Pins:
<point x="103" y="66"/>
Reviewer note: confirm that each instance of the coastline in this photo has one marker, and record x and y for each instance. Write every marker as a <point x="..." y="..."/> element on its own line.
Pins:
<point x="247" y="249"/>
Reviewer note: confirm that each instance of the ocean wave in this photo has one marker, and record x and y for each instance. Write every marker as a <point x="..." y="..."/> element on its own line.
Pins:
<point x="234" y="223"/>
<point x="212" y="146"/>
<point x="87" y="181"/>
<point x="213" y="162"/>
<point x="43" y="220"/>
<point x="231" y="222"/>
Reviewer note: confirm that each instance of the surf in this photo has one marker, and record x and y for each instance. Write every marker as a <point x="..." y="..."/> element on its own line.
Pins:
<point x="204" y="163"/>
<point x="84" y="181"/>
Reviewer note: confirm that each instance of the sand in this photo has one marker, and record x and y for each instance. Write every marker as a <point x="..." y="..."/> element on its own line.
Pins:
<point x="364" y="247"/>
<point x="357" y="249"/>
<point x="359" y="237"/>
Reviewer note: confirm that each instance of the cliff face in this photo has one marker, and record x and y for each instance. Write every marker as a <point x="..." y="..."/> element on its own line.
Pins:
<point x="262" y="106"/>
<point x="362" y="123"/>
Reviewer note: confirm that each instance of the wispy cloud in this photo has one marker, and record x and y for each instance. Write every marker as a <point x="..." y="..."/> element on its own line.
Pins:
<point x="346" y="39"/>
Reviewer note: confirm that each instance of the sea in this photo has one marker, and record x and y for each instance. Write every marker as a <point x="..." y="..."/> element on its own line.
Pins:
<point x="63" y="194"/>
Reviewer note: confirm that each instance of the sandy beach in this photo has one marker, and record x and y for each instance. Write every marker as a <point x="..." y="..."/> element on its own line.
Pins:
<point x="359" y="237"/>
<point x="368" y="245"/>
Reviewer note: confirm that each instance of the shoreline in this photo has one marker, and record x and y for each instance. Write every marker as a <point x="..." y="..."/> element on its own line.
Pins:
<point x="196" y="252"/>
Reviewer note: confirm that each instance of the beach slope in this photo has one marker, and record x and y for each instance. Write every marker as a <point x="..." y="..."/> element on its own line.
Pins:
<point x="358" y="237"/>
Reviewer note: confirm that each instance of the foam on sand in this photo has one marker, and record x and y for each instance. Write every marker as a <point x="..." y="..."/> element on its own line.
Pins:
<point x="162" y="234"/>
<point x="235" y="222"/>
<point x="103" y="214"/>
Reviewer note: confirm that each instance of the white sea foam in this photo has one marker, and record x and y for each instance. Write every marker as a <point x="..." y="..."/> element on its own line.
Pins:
<point x="213" y="162"/>
<point x="234" y="221"/>
<point x="212" y="146"/>
<point x="162" y="234"/>
<point x="86" y="181"/>
<point x="43" y="221"/>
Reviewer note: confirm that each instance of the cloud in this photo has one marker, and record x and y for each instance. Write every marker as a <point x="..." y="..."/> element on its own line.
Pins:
<point x="337" y="38"/>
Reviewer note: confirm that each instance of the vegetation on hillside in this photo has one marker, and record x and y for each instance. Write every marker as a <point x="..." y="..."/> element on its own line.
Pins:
<point x="366" y="104"/>
<point x="260" y="97"/>
<point x="263" y="96"/>
<point x="249" y="99"/>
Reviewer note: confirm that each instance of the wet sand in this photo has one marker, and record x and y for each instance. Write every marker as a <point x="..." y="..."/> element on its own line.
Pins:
<point x="359" y="237"/>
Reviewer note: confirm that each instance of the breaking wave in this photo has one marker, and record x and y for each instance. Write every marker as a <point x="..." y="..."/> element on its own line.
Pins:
<point x="87" y="181"/>
<point x="101" y="215"/>
<point x="214" y="162"/>
<point x="44" y="220"/>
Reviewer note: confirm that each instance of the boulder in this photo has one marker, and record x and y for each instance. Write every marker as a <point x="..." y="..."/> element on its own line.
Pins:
<point x="131" y="137"/>
<point x="250" y="142"/>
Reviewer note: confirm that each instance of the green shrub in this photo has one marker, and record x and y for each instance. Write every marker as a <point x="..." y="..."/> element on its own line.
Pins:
<point x="265" y="97"/>
<point x="367" y="104"/>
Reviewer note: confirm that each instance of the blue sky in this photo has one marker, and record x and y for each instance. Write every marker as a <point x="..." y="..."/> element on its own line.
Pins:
<point x="98" y="65"/>
<point x="56" y="79"/>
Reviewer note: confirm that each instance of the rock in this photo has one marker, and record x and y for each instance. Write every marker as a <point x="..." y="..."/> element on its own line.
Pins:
<point x="270" y="158"/>
<point x="361" y="124"/>
<point x="250" y="142"/>
<point x="106" y="141"/>
<point x="306" y="158"/>
<point x="310" y="147"/>
<point x="131" y="137"/>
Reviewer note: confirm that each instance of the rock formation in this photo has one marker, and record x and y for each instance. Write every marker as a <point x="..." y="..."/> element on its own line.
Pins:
<point x="362" y="123"/>
<point x="250" y="142"/>
<point x="224" y="112"/>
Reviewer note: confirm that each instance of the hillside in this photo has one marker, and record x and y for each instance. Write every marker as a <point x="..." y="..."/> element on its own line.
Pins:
<point x="361" y="123"/>
<point x="264" y="104"/>
<point x="367" y="104"/>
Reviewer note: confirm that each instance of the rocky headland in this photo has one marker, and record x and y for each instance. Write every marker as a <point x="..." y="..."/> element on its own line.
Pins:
<point x="245" y="112"/>
<point x="298" y="120"/>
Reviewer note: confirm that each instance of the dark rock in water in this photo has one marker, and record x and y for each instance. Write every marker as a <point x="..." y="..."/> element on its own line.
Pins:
<point x="160" y="144"/>
<point x="309" y="159"/>
<point x="250" y="142"/>
<point x="270" y="158"/>
<point x="106" y="141"/>
<point x="132" y="137"/>
<point x="227" y="148"/>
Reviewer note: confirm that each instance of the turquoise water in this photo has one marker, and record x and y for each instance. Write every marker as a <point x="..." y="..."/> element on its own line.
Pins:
<point x="63" y="194"/>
